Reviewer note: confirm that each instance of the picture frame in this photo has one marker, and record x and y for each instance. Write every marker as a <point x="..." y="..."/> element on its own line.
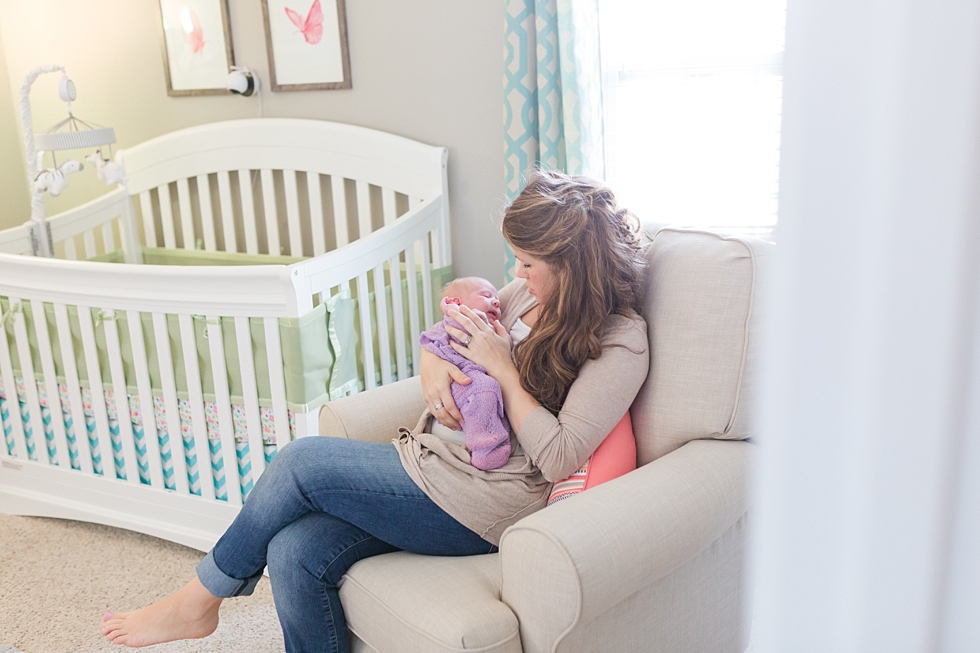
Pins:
<point x="307" y="44"/>
<point x="197" y="46"/>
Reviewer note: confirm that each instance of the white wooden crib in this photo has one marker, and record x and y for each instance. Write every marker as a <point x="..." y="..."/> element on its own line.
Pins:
<point x="275" y="232"/>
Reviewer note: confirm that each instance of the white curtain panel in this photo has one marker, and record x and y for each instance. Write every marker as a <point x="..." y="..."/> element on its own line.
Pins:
<point x="867" y="535"/>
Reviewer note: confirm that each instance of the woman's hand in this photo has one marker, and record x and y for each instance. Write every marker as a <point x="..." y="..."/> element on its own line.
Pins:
<point x="437" y="376"/>
<point x="489" y="347"/>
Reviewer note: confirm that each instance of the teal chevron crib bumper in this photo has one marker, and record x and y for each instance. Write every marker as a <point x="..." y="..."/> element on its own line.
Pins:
<point x="320" y="361"/>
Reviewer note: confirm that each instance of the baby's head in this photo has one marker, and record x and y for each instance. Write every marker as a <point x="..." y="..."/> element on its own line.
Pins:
<point x="474" y="292"/>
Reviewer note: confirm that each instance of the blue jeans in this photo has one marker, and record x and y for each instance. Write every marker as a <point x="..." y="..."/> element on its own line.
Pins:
<point x="321" y="505"/>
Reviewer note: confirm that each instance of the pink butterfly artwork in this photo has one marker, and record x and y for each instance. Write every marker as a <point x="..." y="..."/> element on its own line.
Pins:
<point x="193" y="31"/>
<point x="312" y="27"/>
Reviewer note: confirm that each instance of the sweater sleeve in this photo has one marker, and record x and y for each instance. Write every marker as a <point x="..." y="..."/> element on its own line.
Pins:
<point x="596" y="402"/>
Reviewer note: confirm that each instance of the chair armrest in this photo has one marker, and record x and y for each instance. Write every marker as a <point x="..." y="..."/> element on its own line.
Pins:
<point x="374" y="415"/>
<point x="565" y="565"/>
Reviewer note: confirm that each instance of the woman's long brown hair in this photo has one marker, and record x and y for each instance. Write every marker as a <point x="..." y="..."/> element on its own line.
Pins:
<point x="593" y="248"/>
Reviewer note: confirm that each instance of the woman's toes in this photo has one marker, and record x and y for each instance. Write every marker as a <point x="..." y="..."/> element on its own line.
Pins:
<point x="111" y="626"/>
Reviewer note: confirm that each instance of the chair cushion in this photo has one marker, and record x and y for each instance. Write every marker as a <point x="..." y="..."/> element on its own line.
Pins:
<point x="698" y="302"/>
<point x="422" y="604"/>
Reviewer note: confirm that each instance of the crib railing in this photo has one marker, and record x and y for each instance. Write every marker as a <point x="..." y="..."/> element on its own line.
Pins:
<point x="15" y="240"/>
<point x="265" y="211"/>
<point x="71" y="414"/>
<point x="280" y="186"/>
<point x="399" y="256"/>
<point x="122" y="376"/>
<point x="151" y="397"/>
<point x="85" y="230"/>
<point x="102" y="226"/>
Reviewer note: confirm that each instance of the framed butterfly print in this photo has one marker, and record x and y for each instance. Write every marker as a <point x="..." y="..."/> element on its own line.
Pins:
<point x="307" y="44"/>
<point x="196" y="46"/>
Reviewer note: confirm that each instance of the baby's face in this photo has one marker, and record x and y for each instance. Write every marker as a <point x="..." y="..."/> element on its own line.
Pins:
<point x="480" y="295"/>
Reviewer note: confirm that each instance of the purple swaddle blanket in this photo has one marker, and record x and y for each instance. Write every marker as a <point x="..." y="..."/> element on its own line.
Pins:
<point x="481" y="402"/>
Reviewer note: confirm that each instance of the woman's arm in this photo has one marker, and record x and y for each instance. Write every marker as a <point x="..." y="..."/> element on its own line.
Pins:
<point x="518" y="402"/>
<point x="437" y="377"/>
<point x="597" y="400"/>
<point x="490" y="348"/>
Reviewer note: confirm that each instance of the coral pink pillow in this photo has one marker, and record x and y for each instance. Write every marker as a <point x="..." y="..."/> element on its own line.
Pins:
<point x="614" y="457"/>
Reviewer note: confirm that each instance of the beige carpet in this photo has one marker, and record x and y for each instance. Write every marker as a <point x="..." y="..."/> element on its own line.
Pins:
<point x="57" y="579"/>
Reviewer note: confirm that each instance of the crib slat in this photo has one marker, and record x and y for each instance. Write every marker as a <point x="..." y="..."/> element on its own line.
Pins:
<point x="428" y="318"/>
<point x="412" y="203"/>
<point x="381" y="308"/>
<point x="51" y="384"/>
<point x="129" y="234"/>
<point x="166" y="362"/>
<point x="271" y="214"/>
<point x="89" y="239"/>
<point x="108" y="239"/>
<point x="277" y="383"/>
<point x="367" y="341"/>
<point x="195" y="402"/>
<point x="222" y="397"/>
<point x="248" y="211"/>
<point x="69" y="244"/>
<point x="98" y="395"/>
<point x="413" y="305"/>
<point x="207" y="213"/>
<point x="186" y="217"/>
<point x="363" y="209"/>
<point x="227" y="211"/>
<point x="316" y="212"/>
<point x="339" y="209"/>
<point x="145" y="393"/>
<point x="388" y="205"/>
<point x="437" y="259"/>
<point x="195" y="397"/>
<point x="121" y="394"/>
<point x="10" y="388"/>
<point x="398" y="315"/>
<point x="292" y="213"/>
<point x="146" y="209"/>
<point x="167" y="216"/>
<point x="30" y="386"/>
<point x="74" y="388"/>
<point x="253" y="421"/>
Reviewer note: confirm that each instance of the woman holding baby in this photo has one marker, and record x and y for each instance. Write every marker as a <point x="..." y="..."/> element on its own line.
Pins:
<point x="569" y="352"/>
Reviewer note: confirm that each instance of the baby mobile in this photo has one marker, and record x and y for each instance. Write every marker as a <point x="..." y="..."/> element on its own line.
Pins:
<point x="71" y="133"/>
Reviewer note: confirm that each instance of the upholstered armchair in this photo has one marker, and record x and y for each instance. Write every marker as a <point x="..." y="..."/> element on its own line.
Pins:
<point x="652" y="561"/>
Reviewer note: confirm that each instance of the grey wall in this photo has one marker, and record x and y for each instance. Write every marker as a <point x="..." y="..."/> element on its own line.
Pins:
<point x="428" y="70"/>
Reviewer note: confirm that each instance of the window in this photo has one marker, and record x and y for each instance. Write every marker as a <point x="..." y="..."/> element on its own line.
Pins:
<point x="692" y="93"/>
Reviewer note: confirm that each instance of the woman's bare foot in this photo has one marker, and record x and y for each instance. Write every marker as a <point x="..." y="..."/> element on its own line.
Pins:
<point x="190" y="613"/>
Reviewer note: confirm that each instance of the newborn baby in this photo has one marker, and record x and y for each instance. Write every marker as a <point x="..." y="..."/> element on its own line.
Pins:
<point x="485" y="425"/>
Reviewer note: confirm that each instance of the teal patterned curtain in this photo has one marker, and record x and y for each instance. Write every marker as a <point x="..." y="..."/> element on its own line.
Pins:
<point x="552" y="91"/>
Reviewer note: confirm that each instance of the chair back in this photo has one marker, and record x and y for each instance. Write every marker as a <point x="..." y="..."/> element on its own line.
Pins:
<point x="699" y="300"/>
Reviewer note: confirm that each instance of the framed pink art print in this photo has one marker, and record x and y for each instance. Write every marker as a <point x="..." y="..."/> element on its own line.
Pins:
<point x="307" y="44"/>
<point x="197" y="47"/>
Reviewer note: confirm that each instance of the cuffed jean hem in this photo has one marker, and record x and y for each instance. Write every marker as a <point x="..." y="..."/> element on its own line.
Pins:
<point x="221" y="584"/>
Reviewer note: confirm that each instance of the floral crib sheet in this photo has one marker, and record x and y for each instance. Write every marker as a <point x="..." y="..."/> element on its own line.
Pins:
<point x="242" y="452"/>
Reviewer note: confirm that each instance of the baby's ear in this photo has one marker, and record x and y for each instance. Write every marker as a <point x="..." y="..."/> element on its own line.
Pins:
<point x="449" y="301"/>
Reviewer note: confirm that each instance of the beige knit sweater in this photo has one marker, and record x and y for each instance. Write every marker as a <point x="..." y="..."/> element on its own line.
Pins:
<point x="547" y="449"/>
